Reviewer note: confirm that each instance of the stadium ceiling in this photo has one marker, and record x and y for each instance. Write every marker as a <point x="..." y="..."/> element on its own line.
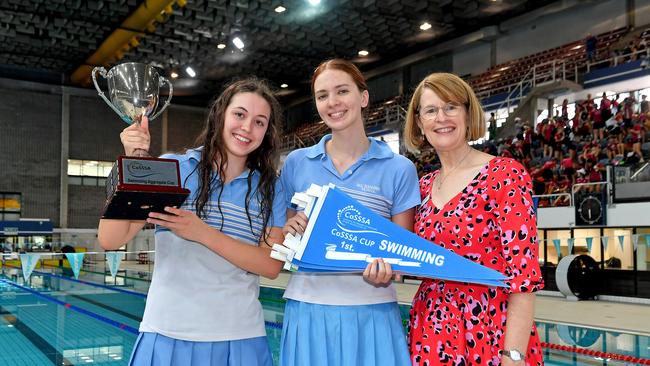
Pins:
<point x="59" y="41"/>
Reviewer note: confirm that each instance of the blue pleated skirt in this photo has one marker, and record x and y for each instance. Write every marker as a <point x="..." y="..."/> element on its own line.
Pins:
<point x="331" y="335"/>
<point x="152" y="349"/>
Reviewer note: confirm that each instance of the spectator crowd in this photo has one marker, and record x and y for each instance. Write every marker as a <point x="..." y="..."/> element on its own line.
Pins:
<point x="565" y="150"/>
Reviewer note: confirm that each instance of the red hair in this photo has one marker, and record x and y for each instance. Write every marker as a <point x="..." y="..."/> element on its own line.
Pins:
<point x="341" y="65"/>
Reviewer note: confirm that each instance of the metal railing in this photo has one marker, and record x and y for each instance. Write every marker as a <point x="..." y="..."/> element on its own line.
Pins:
<point x="554" y="198"/>
<point x="618" y="59"/>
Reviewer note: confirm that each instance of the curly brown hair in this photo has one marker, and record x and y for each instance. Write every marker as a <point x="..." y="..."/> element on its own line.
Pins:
<point x="215" y="158"/>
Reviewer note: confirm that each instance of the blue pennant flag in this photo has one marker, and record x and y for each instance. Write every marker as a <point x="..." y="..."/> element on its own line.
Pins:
<point x="621" y="240"/>
<point x="28" y="262"/>
<point x="635" y="241"/>
<point x="114" y="259"/>
<point x="556" y="244"/>
<point x="589" y="240"/>
<point x="605" y="240"/>
<point x="570" y="242"/>
<point x="647" y="240"/>
<point x="76" y="260"/>
<point x="535" y="203"/>
<point x="344" y="236"/>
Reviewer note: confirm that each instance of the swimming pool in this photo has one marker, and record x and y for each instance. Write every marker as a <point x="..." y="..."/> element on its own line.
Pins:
<point x="54" y="319"/>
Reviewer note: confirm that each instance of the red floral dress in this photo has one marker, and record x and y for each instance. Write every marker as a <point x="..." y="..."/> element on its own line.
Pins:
<point x="491" y="222"/>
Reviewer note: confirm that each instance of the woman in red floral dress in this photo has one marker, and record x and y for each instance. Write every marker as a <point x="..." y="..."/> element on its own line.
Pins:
<point x="478" y="206"/>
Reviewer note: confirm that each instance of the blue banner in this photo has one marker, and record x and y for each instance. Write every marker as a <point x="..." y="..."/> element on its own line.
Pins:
<point x="76" y="260"/>
<point x="621" y="240"/>
<point x="28" y="262"/>
<point x="605" y="240"/>
<point x="570" y="242"/>
<point x="589" y="240"/>
<point x="556" y="244"/>
<point x="114" y="259"/>
<point x="344" y="236"/>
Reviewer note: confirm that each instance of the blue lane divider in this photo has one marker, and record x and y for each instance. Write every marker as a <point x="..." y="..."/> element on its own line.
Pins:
<point x="273" y="324"/>
<point x="74" y="308"/>
<point x="90" y="283"/>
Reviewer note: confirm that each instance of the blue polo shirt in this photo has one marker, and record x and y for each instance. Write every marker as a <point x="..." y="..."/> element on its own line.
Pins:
<point x="381" y="180"/>
<point x="190" y="282"/>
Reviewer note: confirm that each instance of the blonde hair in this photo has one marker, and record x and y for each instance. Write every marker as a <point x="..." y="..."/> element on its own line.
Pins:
<point x="450" y="88"/>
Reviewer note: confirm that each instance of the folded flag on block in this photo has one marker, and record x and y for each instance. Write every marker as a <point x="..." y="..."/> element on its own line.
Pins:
<point x="344" y="236"/>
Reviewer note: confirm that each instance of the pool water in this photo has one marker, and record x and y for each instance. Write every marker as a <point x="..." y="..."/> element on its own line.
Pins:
<point x="53" y="319"/>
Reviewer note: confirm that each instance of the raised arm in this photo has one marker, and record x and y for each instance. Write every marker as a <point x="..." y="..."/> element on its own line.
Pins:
<point x="112" y="234"/>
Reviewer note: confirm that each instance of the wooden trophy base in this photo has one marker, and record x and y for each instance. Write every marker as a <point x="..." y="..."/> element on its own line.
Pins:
<point x="139" y="185"/>
<point x="136" y="205"/>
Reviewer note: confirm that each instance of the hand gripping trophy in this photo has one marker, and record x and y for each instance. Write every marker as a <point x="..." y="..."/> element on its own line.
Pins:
<point x="138" y="184"/>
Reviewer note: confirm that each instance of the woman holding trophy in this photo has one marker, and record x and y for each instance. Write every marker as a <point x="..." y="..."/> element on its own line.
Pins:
<point x="202" y="307"/>
<point x="478" y="206"/>
<point x="346" y="319"/>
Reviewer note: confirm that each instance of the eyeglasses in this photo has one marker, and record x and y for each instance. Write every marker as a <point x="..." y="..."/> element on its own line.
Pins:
<point x="450" y="109"/>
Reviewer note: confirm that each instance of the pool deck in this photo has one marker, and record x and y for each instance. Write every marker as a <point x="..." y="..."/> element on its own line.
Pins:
<point x="610" y="313"/>
<point x="555" y="308"/>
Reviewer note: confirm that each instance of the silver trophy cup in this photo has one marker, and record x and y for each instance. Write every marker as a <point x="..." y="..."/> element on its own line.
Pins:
<point x="138" y="184"/>
<point x="133" y="89"/>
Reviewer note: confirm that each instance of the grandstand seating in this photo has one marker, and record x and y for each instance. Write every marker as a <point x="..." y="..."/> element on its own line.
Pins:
<point x="498" y="79"/>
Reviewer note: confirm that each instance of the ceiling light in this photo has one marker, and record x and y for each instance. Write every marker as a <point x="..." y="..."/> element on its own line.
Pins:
<point x="190" y="71"/>
<point x="280" y="9"/>
<point x="238" y="43"/>
<point x="174" y="74"/>
<point x="314" y="2"/>
<point x="363" y="53"/>
<point x="221" y="46"/>
<point x="425" y="26"/>
<point x="284" y="85"/>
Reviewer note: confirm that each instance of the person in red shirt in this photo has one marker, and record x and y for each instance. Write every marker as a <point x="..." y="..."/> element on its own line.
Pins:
<point x="528" y="141"/>
<point x="563" y="185"/>
<point x="558" y="141"/>
<point x="637" y="133"/>
<point x="568" y="168"/>
<point x="628" y="111"/>
<point x="595" y="176"/>
<point x="581" y="178"/>
<point x="612" y="147"/>
<point x="547" y="134"/>
<point x="565" y="109"/>
<point x="598" y="124"/>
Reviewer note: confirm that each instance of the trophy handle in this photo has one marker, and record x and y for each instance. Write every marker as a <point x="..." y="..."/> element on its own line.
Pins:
<point x="163" y="80"/>
<point x="102" y="72"/>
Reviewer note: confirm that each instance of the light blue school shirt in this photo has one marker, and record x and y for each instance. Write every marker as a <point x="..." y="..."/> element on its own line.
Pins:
<point x="381" y="180"/>
<point x="196" y="294"/>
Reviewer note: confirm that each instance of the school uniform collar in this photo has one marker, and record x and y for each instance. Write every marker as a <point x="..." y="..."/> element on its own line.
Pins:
<point x="377" y="149"/>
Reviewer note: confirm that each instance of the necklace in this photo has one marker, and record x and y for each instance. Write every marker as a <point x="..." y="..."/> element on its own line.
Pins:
<point x="440" y="180"/>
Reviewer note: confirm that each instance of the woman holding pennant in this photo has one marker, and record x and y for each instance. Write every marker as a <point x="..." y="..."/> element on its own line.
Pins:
<point x="203" y="307"/>
<point x="346" y="319"/>
<point x="478" y="206"/>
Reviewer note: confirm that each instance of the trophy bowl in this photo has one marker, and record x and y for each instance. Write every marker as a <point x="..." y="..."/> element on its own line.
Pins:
<point x="133" y="89"/>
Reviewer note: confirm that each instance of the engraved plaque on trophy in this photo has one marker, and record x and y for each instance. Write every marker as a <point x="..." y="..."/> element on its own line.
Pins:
<point x="138" y="184"/>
